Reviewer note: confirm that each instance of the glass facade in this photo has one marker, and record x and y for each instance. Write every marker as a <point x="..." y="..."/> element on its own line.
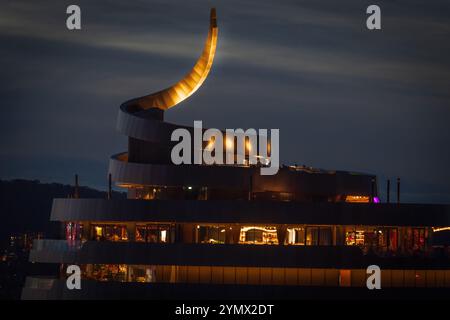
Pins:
<point x="74" y="231"/>
<point x="259" y="235"/>
<point x="187" y="192"/>
<point x="109" y="232"/>
<point x="155" y="233"/>
<point x="296" y="236"/>
<point x="210" y="234"/>
<point x="381" y="240"/>
<point x="263" y="275"/>
<point x="318" y="236"/>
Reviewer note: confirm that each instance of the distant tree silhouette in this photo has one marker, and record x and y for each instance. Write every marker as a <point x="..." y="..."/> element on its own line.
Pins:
<point x="25" y="205"/>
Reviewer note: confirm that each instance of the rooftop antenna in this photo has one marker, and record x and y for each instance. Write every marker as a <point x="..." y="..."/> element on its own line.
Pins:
<point x="76" y="194"/>
<point x="372" y="189"/>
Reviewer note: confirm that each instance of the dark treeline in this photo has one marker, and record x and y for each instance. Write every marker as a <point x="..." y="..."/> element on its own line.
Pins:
<point x="25" y="205"/>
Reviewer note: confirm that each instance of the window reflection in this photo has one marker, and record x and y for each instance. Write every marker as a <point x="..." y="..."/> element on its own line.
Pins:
<point x="74" y="231"/>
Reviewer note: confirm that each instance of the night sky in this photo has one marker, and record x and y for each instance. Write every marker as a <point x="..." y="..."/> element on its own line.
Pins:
<point x="342" y="96"/>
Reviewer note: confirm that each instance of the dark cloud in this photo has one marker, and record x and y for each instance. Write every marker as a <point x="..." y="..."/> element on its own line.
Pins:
<point x="342" y="96"/>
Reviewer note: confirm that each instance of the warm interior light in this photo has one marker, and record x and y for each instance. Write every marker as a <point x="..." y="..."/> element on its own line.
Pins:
<point x="357" y="199"/>
<point x="210" y="144"/>
<point x="163" y="235"/>
<point x="248" y="145"/>
<point x="266" y="229"/>
<point x="98" y="231"/>
<point x="229" y="143"/>
<point x="441" y="229"/>
<point x="268" y="235"/>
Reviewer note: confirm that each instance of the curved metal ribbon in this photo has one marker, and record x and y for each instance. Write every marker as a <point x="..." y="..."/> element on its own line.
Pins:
<point x="184" y="88"/>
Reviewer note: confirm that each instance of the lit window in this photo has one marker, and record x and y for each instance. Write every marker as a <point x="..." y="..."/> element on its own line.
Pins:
<point x="296" y="236"/>
<point x="248" y="145"/>
<point x="163" y="235"/>
<point x="357" y="199"/>
<point x="229" y="144"/>
<point x="259" y="235"/>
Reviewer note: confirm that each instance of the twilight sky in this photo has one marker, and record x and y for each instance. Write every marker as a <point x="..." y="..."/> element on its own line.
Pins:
<point x="342" y="96"/>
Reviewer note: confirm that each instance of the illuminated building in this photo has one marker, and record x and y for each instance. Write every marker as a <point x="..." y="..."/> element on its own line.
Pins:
<point x="189" y="226"/>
